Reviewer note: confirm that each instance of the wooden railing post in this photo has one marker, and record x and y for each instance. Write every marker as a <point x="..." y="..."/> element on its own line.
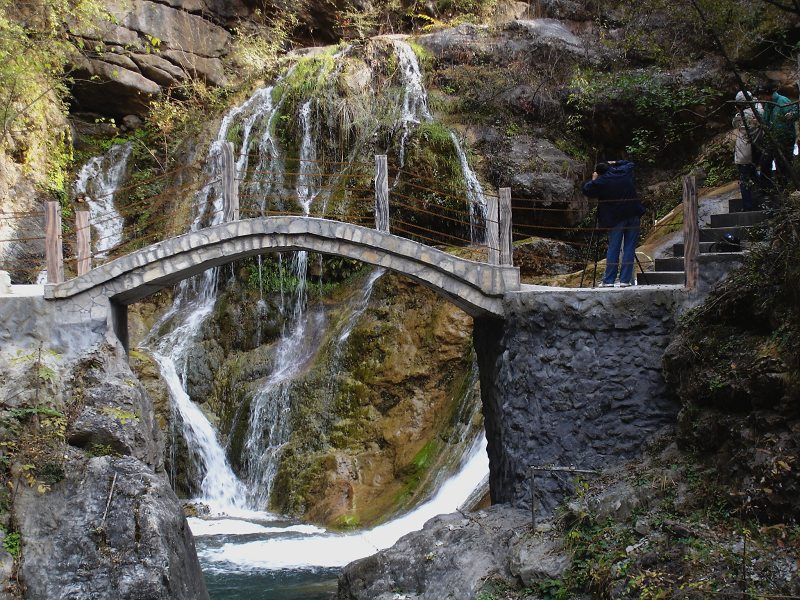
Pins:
<point x="84" y="241"/>
<point x="691" y="234"/>
<point x="230" y="187"/>
<point x="54" y="253"/>
<point x="504" y="223"/>
<point x="381" y="193"/>
<point x="493" y="228"/>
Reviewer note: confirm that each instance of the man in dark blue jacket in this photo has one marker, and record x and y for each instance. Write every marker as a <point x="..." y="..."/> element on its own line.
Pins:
<point x="618" y="212"/>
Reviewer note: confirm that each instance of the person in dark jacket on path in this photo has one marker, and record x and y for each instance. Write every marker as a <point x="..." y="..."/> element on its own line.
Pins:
<point x="619" y="212"/>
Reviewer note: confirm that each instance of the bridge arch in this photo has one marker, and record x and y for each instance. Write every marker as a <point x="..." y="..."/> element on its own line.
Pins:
<point x="477" y="288"/>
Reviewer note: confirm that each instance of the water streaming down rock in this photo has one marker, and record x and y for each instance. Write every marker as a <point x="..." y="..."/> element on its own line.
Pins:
<point x="194" y="301"/>
<point x="298" y="551"/>
<point x="98" y="180"/>
<point x="414" y="111"/>
<point x="475" y="196"/>
<point x="268" y="425"/>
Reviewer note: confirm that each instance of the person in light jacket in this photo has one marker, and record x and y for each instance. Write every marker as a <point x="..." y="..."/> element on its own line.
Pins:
<point x="619" y="212"/>
<point x="746" y="152"/>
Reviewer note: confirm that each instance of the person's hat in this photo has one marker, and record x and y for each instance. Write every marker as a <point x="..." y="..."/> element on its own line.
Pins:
<point x="744" y="97"/>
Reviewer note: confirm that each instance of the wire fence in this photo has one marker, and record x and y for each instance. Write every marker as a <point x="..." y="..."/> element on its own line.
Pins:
<point x="420" y="209"/>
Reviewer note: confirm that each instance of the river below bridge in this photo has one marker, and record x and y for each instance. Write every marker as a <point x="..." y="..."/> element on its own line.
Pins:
<point x="262" y="556"/>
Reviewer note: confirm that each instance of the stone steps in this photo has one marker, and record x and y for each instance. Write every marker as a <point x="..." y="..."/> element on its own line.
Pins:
<point x="669" y="271"/>
<point x="705" y="248"/>
<point x="661" y="278"/>
<point x="738" y="219"/>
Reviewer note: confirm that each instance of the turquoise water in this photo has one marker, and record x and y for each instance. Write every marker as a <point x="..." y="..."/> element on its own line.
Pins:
<point x="273" y="585"/>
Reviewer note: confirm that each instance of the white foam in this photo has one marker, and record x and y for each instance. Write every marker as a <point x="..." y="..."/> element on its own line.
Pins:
<point x="208" y="527"/>
<point x="336" y="550"/>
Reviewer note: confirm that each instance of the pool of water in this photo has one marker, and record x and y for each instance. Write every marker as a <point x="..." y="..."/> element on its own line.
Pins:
<point x="273" y="585"/>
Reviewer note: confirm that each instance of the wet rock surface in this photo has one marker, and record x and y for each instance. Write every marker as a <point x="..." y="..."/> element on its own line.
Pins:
<point x="112" y="529"/>
<point x="449" y="558"/>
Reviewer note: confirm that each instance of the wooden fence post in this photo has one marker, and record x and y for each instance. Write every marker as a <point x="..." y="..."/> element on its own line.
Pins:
<point x="504" y="222"/>
<point x="381" y="193"/>
<point x="84" y="241"/>
<point x="230" y="186"/>
<point x="54" y="253"/>
<point x="493" y="228"/>
<point x="691" y="234"/>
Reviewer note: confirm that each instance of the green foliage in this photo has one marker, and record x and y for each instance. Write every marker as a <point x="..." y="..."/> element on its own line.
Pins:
<point x="272" y="275"/>
<point x="21" y="413"/>
<point x="661" y="109"/>
<point x="102" y="450"/>
<point x="35" y="47"/>
<point x="123" y="416"/>
<point x="671" y="33"/>
<point x="13" y="544"/>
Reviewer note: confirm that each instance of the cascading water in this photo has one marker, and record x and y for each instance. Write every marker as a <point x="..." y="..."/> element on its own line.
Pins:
<point x="415" y="97"/>
<point x="268" y="426"/>
<point x="475" y="196"/>
<point x="414" y="111"/>
<point x="253" y="539"/>
<point x="220" y="487"/>
<point x="98" y="181"/>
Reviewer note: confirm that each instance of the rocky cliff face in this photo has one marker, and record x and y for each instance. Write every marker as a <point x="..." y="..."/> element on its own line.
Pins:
<point x="144" y="48"/>
<point x="87" y="509"/>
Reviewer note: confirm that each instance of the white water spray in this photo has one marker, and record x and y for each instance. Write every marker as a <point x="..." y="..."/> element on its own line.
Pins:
<point x="414" y="111"/>
<point x="98" y="180"/>
<point x="290" y="550"/>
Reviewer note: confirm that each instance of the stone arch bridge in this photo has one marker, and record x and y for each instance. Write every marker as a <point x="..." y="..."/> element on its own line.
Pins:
<point x="478" y="288"/>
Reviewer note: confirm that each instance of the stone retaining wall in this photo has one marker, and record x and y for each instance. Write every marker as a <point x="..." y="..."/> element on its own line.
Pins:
<point x="572" y="378"/>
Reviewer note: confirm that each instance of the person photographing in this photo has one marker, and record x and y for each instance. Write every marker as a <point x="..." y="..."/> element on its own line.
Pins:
<point x="619" y="212"/>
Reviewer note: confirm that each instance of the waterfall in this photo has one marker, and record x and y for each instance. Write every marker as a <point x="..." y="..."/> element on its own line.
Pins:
<point x="315" y="549"/>
<point x="194" y="301"/>
<point x="98" y="181"/>
<point x="268" y="420"/>
<point x="415" y="96"/>
<point x="475" y="196"/>
<point x="268" y="425"/>
<point x="414" y="111"/>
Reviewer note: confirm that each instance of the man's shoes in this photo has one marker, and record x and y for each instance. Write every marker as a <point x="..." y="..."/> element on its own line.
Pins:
<point x="601" y="284"/>
<point x="622" y="284"/>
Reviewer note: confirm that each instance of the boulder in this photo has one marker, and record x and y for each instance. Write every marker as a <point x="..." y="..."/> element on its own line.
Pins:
<point x="117" y="414"/>
<point x="150" y="46"/>
<point x="159" y="69"/>
<point x="536" y="169"/>
<point x="449" y="558"/>
<point x="530" y="37"/>
<point x="110" y="530"/>
<point x="208" y="69"/>
<point x="539" y="557"/>
<point x="545" y="256"/>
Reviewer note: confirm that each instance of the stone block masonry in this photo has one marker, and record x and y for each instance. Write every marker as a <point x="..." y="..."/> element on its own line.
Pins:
<point x="572" y="378"/>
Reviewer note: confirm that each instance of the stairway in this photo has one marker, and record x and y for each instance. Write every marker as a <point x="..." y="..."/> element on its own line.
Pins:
<point x="669" y="271"/>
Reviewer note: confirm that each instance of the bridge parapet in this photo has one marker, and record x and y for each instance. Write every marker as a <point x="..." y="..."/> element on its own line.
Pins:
<point x="476" y="287"/>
